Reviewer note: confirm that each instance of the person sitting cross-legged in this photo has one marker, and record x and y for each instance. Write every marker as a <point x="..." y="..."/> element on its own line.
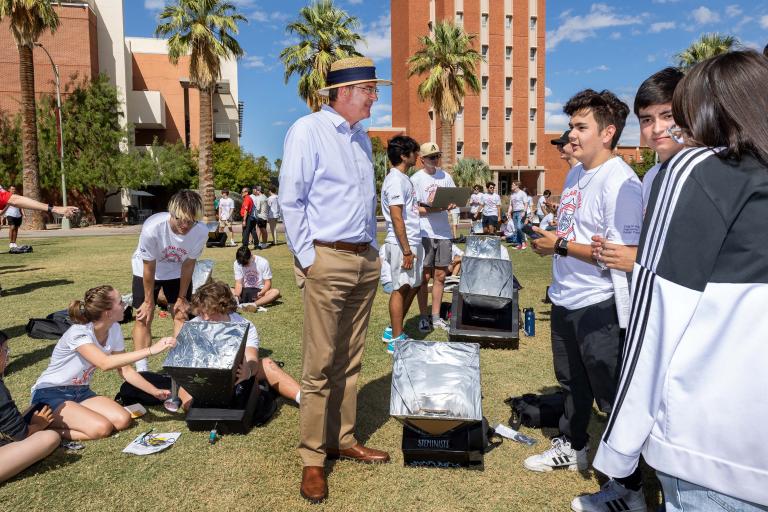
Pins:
<point x="253" y="279"/>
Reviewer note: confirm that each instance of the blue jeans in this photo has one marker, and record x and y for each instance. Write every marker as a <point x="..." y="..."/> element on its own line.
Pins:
<point x="55" y="396"/>
<point x="682" y="496"/>
<point x="517" y="220"/>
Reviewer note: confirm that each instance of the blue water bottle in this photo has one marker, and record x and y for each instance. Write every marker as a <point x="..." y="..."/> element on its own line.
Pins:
<point x="530" y="322"/>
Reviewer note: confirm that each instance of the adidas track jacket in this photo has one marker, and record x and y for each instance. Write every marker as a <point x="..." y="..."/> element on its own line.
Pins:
<point x="693" y="386"/>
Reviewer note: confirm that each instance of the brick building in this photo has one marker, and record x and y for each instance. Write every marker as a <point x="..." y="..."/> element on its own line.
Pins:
<point x="156" y="96"/>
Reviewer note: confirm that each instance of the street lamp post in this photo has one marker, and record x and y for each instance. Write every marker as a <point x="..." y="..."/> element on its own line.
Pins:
<point x="64" y="220"/>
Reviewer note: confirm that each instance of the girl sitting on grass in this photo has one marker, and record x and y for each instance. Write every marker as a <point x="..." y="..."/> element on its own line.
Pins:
<point x="22" y="443"/>
<point x="214" y="302"/>
<point x="94" y="341"/>
<point x="253" y="279"/>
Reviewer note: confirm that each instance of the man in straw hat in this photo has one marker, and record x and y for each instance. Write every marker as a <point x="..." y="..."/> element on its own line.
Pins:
<point x="328" y="199"/>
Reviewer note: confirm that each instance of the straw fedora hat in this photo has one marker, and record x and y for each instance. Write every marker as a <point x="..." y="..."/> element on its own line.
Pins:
<point x="351" y="71"/>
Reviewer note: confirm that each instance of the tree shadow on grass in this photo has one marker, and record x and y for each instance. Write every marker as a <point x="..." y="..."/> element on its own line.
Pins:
<point x="29" y="359"/>
<point x="17" y="270"/>
<point x="30" y="287"/>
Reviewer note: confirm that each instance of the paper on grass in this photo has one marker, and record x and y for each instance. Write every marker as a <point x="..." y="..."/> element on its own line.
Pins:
<point x="152" y="443"/>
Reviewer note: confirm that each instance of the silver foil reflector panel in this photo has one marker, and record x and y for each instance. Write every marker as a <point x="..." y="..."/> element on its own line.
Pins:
<point x="486" y="283"/>
<point x="436" y="386"/>
<point x="483" y="247"/>
<point x="202" y="273"/>
<point x="205" y="359"/>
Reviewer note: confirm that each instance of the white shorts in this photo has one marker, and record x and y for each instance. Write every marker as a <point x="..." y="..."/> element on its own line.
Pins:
<point x="401" y="277"/>
<point x="454" y="218"/>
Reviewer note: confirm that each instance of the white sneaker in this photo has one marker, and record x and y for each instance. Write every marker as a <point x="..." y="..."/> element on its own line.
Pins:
<point x="612" y="497"/>
<point x="263" y="246"/>
<point x="232" y="243"/>
<point x="12" y="245"/>
<point x="560" y="455"/>
<point x="440" y="324"/>
<point x="425" y="325"/>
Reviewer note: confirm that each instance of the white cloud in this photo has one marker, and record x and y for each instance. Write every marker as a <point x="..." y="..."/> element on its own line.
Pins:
<point x="377" y="37"/>
<point x="260" y="16"/>
<point x="660" y="26"/>
<point x="579" y="28"/>
<point x="354" y="2"/>
<point x="764" y="21"/>
<point x="154" y="5"/>
<point x="601" y="67"/>
<point x="381" y="114"/>
<point x="254" y="61"/>
<point x="615" y="35"/>
<point x="704" y="15"/>
<point x="554" y="118"/>
<point x="651" y="58"/>
<point x="733" y="10"/>
<point x="547" y="92"/>
<point x="665" y="1"/>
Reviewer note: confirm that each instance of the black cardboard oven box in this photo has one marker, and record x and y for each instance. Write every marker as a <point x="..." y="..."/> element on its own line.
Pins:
<point x="436" y="395"/>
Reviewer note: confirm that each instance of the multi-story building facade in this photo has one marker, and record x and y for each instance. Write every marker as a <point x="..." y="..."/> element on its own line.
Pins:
<point x="503" y="125"/>
<point x="156" y="96"/>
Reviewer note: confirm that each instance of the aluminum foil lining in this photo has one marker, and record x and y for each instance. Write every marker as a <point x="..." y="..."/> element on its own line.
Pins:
<point x="486" y="283"/>
<point x="202" y="274"/>
<point x="483" y="247"/>
<point x="437" y="380"/>
<point x="207" y="345"/>
<point x="127" y="300"/>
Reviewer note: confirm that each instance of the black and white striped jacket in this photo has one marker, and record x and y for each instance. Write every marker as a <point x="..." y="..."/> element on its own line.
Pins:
<point x="693" y="382"/>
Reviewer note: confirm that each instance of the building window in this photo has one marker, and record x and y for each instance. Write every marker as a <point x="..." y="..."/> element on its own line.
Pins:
<point x="484" y="81"/>
<point x="484" y="148"/>
<point x="484" y="113"/>
<point x="533" y="84"/>
<point x="429" y="25"/>
<point x="508" y="148"/>
<point x="508" y="113"/>
<point x="484" y="50"/>
<point x="460" y="113"/>
<point x="431" y="115"/>
<point x="508" y="22"/>
<point x="459" y="148"/>
<point x="459" y="18"/>
<point x="533" y="114"/>
<point x="533" y="148"/>
<point x="533" y="54"/>
<point x="509" y="52"/>
<point x="533" y="22"/>
<point x="484" y="19"/>
<point x="508" y="83"/>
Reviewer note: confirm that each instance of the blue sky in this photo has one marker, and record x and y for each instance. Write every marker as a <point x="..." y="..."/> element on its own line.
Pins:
<point x="599" y="45"/>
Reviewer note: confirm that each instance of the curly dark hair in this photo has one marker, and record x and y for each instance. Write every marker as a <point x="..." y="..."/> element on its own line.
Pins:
<point x="214" y="297"/>
<point x="605" y="106"/>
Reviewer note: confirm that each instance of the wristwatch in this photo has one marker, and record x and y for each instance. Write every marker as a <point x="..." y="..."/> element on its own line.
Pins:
<point x="409" y="253"/>
<point x="561" y="247"/>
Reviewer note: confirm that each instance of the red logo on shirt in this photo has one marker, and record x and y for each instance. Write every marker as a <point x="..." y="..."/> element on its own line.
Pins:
<point x="174" y="254"/>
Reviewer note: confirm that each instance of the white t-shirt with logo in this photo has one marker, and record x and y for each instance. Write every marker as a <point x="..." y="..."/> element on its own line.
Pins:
<point x="253" y="274"/>
<point x="397" y="189"/>
<point x="169" y="250"/>
<point x="603" y="201"/>
<point x="490" y="204"/>
<point x="518" y="200"/>
<point x="67" y="366"/>
<point x="226" y="205"/>
<point x="650" y="175"/>
<point x="540" y="204"/>
<point x="476" y="202"/>
<point x="433" y="225"/>
<point x="252" y="338"/>
<point x="273" y="207"/>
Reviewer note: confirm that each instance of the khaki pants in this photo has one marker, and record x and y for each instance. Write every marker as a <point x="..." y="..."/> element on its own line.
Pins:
<point x="338" y="295"/>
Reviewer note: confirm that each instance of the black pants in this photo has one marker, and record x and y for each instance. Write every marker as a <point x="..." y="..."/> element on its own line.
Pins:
<point x="250" y="230"/>
<point x="586" y="349"/>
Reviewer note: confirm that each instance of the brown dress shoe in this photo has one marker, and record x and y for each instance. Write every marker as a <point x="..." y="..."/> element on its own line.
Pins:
<point x="359" y="453"/>
<point x="314" y="487"/>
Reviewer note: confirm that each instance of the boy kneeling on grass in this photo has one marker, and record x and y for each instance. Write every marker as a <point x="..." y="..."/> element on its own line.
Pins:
<point x="253" y="279"/>
<point x="214" y="302"/>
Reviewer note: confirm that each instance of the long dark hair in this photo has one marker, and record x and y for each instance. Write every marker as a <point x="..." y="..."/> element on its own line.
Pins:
<point x="723" y="102"/>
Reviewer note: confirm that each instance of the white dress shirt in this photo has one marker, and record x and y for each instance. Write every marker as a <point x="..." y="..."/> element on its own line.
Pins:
<point x="327" y="188"/>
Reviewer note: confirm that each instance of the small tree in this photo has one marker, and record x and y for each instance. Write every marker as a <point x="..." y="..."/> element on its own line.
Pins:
<point x="647" y="161"/>
<point x="707" y="46"/>
<point x="471" y="171"/>
<point x="236" y="167"/>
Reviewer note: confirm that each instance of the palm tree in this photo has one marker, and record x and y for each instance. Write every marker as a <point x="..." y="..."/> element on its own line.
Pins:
<point x="28" y="20"/>
<point x="449" y="61"/>
<point x="470" y="171"/>
<point x="707" y="46"/>
<point x="204" y="30"/>
<point x="326" y="34"/>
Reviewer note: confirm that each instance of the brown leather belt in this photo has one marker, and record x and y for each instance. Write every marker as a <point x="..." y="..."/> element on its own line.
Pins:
<point x="345" y="246"/>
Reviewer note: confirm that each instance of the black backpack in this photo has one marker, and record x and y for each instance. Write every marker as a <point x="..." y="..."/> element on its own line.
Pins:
<point x="56" y="324"/>
<point x="130" y="394"/>
<point x="536" y="411"/>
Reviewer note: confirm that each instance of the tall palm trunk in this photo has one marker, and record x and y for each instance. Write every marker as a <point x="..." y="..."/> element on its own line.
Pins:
<point x="205" y="162"/>
<point x="29" y="134"/>
<point x="446" y="143"/>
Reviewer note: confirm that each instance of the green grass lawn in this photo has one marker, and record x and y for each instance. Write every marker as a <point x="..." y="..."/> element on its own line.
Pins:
<point x="261" y="470"/>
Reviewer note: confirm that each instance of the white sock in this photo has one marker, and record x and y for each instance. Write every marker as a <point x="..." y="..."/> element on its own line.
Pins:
<point x="141" y="365"/>
<point x="298" y="398"/>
